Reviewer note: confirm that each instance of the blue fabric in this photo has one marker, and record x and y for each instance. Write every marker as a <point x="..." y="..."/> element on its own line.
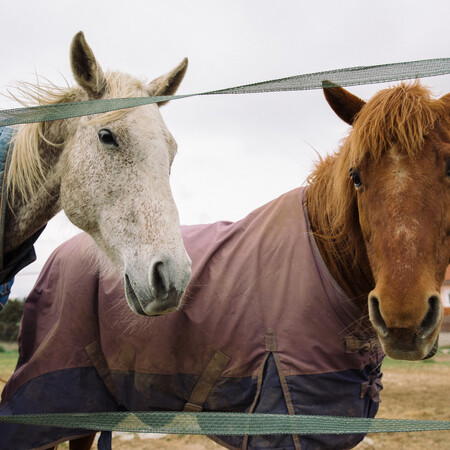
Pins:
<point x="15" y="261"/>
<point x="18" y="259"/>
<point x="105" y="441"/>
<point x="5" y="139"/>
<point x="43" y="395"/>
<point x="5" y="290"/>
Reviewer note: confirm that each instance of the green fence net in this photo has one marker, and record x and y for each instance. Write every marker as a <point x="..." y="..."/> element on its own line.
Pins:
<point x="343" y="77"/>
<point x="210" y="423"/>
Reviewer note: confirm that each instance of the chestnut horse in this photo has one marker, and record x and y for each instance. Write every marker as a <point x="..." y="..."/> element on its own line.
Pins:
<point x="379" y="210"/>
<point x="110" y="175"/>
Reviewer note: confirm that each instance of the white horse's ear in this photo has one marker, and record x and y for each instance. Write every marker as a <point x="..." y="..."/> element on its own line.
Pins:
<point x="342" y="102"/>
<point x="87" y="72"/>
<point x="168" y="84"/>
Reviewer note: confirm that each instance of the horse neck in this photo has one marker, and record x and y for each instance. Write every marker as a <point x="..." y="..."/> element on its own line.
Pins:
<point x="343" y="253"/>
<point x="25" y="217"/>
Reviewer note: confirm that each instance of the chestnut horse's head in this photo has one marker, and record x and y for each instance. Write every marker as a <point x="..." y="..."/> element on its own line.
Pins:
<point x="396" y="164"/>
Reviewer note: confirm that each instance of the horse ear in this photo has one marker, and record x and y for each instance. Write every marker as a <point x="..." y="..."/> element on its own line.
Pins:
<point x="445" y="99"/>
<point x="342" y="102"/>
<point x="87" y="72"/>
<point x="168" y="84"/>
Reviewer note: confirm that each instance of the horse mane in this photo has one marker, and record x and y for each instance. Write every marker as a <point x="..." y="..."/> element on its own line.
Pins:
<point x="27" y="169"/>
<point x="397" y="118"/>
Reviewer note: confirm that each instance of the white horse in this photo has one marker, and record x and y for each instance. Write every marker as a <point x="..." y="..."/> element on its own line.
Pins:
<point x="110" y="174"/>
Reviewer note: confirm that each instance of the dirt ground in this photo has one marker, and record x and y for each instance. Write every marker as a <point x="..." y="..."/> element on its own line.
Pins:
<point x="421" y="391"/>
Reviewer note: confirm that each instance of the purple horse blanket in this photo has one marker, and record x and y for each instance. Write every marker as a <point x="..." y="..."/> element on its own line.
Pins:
<point x="264" y="328"/>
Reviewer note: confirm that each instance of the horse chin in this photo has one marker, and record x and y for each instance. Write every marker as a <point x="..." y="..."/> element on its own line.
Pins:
<point x="415" y="351"/>
<point x="149" y="306"/>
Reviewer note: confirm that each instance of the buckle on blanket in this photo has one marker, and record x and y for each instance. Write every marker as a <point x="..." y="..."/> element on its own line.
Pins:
<point x="192" y="407"/>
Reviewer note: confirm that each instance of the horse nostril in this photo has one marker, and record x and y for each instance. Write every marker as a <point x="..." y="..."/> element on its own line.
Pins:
<point x="159" y="279"/>
<point x="375" y="315"/>
<point x="431" y="320"/>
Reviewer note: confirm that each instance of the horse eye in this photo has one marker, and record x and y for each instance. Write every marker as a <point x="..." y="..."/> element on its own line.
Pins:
<point x="447" y="168"/>
<point x="356" y="178"/>
<point x="107" y="137"/>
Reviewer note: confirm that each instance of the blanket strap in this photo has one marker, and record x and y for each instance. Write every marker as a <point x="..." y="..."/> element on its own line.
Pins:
<point x="101" y="366"/>
<point x="206" y="382"/>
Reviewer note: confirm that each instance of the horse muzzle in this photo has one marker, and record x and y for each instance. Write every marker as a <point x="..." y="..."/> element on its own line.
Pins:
<point x="413" y="342"/>
<point x="161" y="289"/>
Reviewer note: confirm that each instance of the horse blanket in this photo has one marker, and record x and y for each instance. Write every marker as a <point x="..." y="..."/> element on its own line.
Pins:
<point x="264" y="328"/>
<point x="15" y="261"/>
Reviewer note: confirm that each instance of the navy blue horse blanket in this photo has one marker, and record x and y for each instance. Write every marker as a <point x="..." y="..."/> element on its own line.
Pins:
<point x="264" y="328"/>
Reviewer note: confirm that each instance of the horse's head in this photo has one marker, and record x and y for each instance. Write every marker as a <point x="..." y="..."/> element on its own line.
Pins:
<point x="115" y="183"/>
<point x="396" y="164"/>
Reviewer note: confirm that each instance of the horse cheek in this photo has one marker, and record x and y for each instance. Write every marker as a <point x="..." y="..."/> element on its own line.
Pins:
<point x="76" y="201"/>
<point x="365" y="223"/>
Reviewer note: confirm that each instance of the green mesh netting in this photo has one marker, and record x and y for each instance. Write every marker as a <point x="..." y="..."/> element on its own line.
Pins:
<point x="210" y="423"/>
<point x="343" y="77"/>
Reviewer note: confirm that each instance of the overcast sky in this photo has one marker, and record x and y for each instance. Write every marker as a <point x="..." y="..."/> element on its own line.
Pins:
<point x="235" y="152"/>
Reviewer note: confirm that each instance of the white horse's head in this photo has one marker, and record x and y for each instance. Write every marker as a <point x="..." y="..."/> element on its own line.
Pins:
<point x="115" y="183"/>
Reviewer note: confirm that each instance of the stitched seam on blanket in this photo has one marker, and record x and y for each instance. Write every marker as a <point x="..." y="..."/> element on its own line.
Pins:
<point x="286" y="393"/>
<point x="258" y="393"/>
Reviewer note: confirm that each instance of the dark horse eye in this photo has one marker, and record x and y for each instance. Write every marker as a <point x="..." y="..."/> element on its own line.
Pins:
<point x="107" y="137"/>
<point x="356" y="178"/>
<point x="447" y="168"/>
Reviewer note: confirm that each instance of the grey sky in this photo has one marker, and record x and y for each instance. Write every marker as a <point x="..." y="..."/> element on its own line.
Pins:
<point x="235" y="152"/>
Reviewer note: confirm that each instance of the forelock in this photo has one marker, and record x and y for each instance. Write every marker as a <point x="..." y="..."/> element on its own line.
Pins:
<point x="399" y="117"/>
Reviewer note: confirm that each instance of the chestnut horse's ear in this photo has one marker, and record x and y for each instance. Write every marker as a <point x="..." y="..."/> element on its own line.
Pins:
<point x="342" y="102"/>
<point x="168" y="84"/>
<point x="445" y="99"/>
<point x="87" y="72"/>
